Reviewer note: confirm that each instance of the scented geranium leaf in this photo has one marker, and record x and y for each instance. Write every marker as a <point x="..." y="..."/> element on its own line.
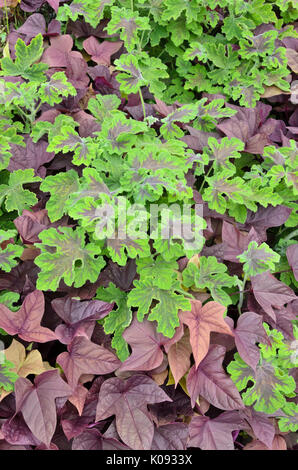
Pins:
<point x="128" y="400"/>
<point x="270" y="384"/>
<point x="58" y="87"/>
<point x="8" y="256"/>
<point x="130" y="76"/>
<point x="289" y="418"/>
<point x="201" y="320"/>
<point x="65" y="255"/>
<point x="79" y="317"/>
<point x="146" y="345"/>
<point x="171" y="436"/>
<point x="122" y="249"/>
<point x="216" y="433"/>
<point x="7" y="376"/>
<point x="9" y="299"/>
<point x="129" y="23"/>
<point x="221" y="152"/>
<point x="222" y="56"/>
<point x="211" y="274"/>
<point x="250" y="331"/>
<point x="26" y="322"/>
<point x="118" y="133"/>
<point x="24" y="64"/>
<point x="165" y="313"/>
<point x="219" y="185"/>
<point x="84" y="148"/>
<point x="185" y="113"/>
<point x="117" y="320"/>
<point x="271" y="293"/>
<point x="16" y="197"/>
<point x="103" y="105"/>
<point x="91" y="10"/>
<point x="210" y="381"/>
<point x="292" y="255"/>
<point x="260" y="45"/>
<point x="85" y="357"/>
<point x="258" y="259"/>
<point x="37" y="404"/>
<point x="163" y="273"/>
<point x="60" y="186"/>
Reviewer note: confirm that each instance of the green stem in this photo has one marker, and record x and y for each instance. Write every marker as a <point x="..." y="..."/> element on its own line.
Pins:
<point x="143" y="103"/>
<point x="131" y="5"/>
<point x="6" y="17"/>
<point x="241" y="296"/>
<point x="292" y="235"/>
<point x="206" y="176"/>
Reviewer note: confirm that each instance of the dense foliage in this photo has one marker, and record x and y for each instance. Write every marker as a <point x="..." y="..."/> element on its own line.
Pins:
<point x="148" y="224"/>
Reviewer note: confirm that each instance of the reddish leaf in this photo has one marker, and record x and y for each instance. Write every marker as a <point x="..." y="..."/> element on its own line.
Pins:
<point x="128" y="401"/>
<point x="32" y="156"/>
<point x="269" y="293"/>
<point x="78" y="398"/>
<point x="179" y="357"/>
<point x="85" y="357"/>
<point x="235" y="241"/>
<point x="26" y="322"/>
<point x="250" y="331"/>
<point x="262" y="426"/>
<point x="292" y="255"/>
<point x="215" y="434"/>
<point x="79" y="317"/>
<point x="146" y="344"/>
<point x="170" y="437"/>
<point x="211" y="382"/>
<point x="101" y="52"/>
<point x="278" y="444"/>
<point x="201" y="321"/>
<point x="92" y="439"/>
<point x="37" y="402"/>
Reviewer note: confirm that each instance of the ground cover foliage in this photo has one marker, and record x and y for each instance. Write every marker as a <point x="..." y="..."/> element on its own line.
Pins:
<point x="111" y="340"/>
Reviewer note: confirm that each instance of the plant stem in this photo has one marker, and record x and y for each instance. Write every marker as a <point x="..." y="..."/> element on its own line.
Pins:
<point x="292" y="235"/>
<point x="206" y="176"/>
<point x="131" y="5"/>
<point x="6" y="17"/>
<point x="241" y="297"/>
<point x="143" y="103"/>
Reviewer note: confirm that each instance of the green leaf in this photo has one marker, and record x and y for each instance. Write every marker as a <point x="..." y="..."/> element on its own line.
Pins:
<point x="16" y="197"/>
<point x="8" y="257"/>
<point x="129" y="23"/>
<point x="24" y="64"/>
<point x="84" y="149"/>
<point x="91" y="10"/>
<point x="221" y="152"/>
<point x="56" y="89"/>
<point x="65" y="255"/>
<point x="289" y="420"/>
<point x="60" y="186"/>
<point x="162" y="273"/>
<point x="118" y="320"/>
<point x="258" y="259"/>
<point x="165" y="313"/>
<point x="7" y="377"/>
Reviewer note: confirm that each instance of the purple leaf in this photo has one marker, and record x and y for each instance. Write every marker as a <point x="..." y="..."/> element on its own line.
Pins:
<point x="269" y="293"/>
<point x="292" y="255"/>
<point x="26" y="322"/>
<point x="37" y="402"/>
<point x="33" y="156"/>
<point x="101" y="52"/>
<point x="128" y="401"/>
<point x="211" y="382"/>
<point x="172" y="436"/>
<point x="215" y="434"/>
<point x="85" y="357"/>
<point x="92" y="439"/>
<point x="77" y="316"/>
<point x="250" y="331"/>
<point x="262" y="426"/>
<point x="146" y="344"/>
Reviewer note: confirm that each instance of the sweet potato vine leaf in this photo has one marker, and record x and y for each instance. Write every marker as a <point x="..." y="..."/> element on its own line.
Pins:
<point x="165" y="313"/>
<point x="26" y="322"/>
<point x="292" y="255"/>
<point x="211" y="382"/>
<point x="258" y="259"/>
<point x="36" y="402"/>
<point x="64" y="254"/>
<point x="271" y="293"/>
<point x="201" y="321"/>
<point x="128" y="399"/>
<point x="215" y="434"/>
<point x="85" y="357"/>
